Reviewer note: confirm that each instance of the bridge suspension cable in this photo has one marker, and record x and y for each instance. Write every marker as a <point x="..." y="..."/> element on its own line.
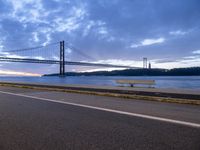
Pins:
<point x="78" y="51"/>
<point x="31" y="48"/>
<point x="48" y="51"/>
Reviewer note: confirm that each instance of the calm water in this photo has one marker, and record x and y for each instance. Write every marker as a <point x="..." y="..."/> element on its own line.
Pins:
<point x="191" y="82"/>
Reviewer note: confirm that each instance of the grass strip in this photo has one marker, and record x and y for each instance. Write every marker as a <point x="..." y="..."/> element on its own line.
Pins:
<point x="126" y="96"/>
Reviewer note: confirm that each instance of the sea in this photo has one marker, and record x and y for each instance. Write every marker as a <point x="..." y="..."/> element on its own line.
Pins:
<point x="180" y="82"/>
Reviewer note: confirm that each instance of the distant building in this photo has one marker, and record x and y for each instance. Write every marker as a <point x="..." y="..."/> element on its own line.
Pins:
<point x="149" y="65"/>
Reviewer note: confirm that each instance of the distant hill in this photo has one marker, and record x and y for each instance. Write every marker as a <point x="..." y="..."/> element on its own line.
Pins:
<point x="193" y="71"/>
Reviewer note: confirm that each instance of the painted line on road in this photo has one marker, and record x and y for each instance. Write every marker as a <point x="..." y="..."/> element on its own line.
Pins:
<point x="196" y="125"/>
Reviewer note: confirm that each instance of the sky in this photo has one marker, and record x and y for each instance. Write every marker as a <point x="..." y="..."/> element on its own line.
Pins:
<point x="119" y="32"/>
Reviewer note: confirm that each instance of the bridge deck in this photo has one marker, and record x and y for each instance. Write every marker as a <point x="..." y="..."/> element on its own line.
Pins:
<point x="27" y="60"/>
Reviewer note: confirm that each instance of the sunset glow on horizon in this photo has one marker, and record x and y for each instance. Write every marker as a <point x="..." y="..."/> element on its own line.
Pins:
<point x="15" y="73"/>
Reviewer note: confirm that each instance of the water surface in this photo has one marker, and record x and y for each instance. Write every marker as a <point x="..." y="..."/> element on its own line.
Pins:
<point x="185" y="82"/>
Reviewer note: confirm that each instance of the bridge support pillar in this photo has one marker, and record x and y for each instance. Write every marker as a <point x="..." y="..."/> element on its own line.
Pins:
<point x="62" y="58"/>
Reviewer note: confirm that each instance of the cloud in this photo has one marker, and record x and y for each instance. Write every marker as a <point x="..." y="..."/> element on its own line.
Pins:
<point x="122" y="62"/>
<point x="147" y="42"/>
<point x="8" y="55"/>
<point x="160" y="61"/>
<point x="196" y="52"/>
<point x="48" y="39"/>
<point x="188" y="61"/>
<point x="35" y="36"/>
<point x="38" y="57"/>
<point x="190" y="57"/>
<point x="152" y="41"/>
<point x="88" y="27"/>
<point x="101" y="69"/>
<point x="72" y="21"/>
<point x="68" y="51"/>
<point x="28" y="11"/>
<point x="1" y="45"/>
<point x="102" y="31"/>
<point x="68" y="25"/>
<point x="178" y="32"/>
<point x="99" y="29"/>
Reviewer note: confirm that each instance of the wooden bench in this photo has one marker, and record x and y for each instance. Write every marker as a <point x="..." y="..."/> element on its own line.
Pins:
<point x="150" y="83"/>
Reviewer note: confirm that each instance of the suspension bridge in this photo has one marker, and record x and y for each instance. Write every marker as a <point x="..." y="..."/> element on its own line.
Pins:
<point x="53" y="53"/>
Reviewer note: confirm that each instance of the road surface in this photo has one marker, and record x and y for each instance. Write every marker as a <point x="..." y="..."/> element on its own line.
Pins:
<point x="46" y="120"/>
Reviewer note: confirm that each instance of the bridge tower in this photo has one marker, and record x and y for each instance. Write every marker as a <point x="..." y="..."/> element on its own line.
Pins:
<point x="144" y="63"/>
<point x="62" y="58"/>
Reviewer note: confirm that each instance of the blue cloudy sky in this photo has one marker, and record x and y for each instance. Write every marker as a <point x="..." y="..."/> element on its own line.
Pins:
<point x="167" y="32"/>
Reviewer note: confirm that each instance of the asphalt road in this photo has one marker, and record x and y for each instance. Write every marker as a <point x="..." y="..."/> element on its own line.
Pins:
<point x="43" y="120"/>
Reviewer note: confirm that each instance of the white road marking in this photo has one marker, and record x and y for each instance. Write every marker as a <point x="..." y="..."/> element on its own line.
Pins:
<point x="196" y="125"/>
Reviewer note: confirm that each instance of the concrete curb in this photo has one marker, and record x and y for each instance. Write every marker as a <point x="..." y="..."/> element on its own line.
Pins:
<point x="101" y="93"/>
